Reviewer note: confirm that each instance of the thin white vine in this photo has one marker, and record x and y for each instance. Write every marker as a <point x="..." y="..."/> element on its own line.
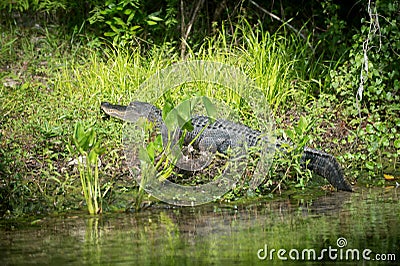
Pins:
<point x="374" y="30"/>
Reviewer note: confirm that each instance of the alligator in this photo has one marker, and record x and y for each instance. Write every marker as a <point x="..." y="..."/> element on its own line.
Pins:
<point x="223" y="134"/>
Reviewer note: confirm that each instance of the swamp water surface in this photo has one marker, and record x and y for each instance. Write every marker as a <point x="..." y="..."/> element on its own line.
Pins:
<point x="349" y="228"/>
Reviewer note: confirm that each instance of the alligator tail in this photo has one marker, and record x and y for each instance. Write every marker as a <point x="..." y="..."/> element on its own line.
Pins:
<point x="326" y="166"/>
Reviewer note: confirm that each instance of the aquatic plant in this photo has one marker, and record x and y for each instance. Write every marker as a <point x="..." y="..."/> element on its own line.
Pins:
<point x="88" y="146"/>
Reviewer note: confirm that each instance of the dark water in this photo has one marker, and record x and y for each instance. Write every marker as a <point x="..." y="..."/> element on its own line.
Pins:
<point x="365" y="222"/>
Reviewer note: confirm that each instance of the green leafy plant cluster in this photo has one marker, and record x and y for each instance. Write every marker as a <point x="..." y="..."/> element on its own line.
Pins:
<point x="49" y="82"/>
<point x="367" y="86"/>
<point x="88" y="146"/>
<point x="289" y="157"/>
<point x="125" y="22"/>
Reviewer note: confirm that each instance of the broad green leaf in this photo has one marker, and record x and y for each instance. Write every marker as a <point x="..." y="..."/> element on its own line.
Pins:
<point x="25" y="85"/>
<point x="151" y="23"/>
<point x="369" y="165"/>
<point x="397" y="143"/>
<point x="185" y="109"/>
<point x="143" y="155"/>
<point x="168" y="106"/>
<point x="97" y="149"/>
<point x="188" y="126"/>
<point x="210" y="108"/>
<point x="119" y="21"/>
<point x="154" y="18"/>
<point x="385" y="141"/>
<point x="109" y="34"/>
<point x="370" y="129"/>
<point x="170" y="119"/>
<point x="134" y="28"/>
<point x="184" y="124"/>
<point x="130" y="18"/>
<point x="302" y="125"/>
<point x="91" y="134"/>
<point x="158" y="144"/>
<point x="290" y="134"/>
<point x="150" y="151"/>
<point x="115" y="29"/>
<point x="92" y="158"/>
<point x="78" y="132"/>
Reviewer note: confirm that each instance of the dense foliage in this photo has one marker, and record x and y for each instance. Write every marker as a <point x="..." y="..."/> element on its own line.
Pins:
<point x="335" y="62"/>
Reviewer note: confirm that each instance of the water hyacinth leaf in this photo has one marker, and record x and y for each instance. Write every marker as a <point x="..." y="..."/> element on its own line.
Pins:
<point x="95" y="152"/>
<point x="195" y="101"/>
<point x="78" y="132"/>
<point x="170" y="119"/>
<point x="88" y="146"/>
<point x="180" y="116"/>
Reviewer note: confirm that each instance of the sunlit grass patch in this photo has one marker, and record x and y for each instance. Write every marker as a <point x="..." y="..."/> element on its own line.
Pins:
<point x="62" y="85"/>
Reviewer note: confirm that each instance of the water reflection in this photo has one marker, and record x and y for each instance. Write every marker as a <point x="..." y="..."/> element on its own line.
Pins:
<point x="213" y="233"/>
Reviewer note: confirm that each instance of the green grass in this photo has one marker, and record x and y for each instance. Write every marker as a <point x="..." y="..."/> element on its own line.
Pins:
<point x="49" y="83"/>
<point x="56" y="85"/>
